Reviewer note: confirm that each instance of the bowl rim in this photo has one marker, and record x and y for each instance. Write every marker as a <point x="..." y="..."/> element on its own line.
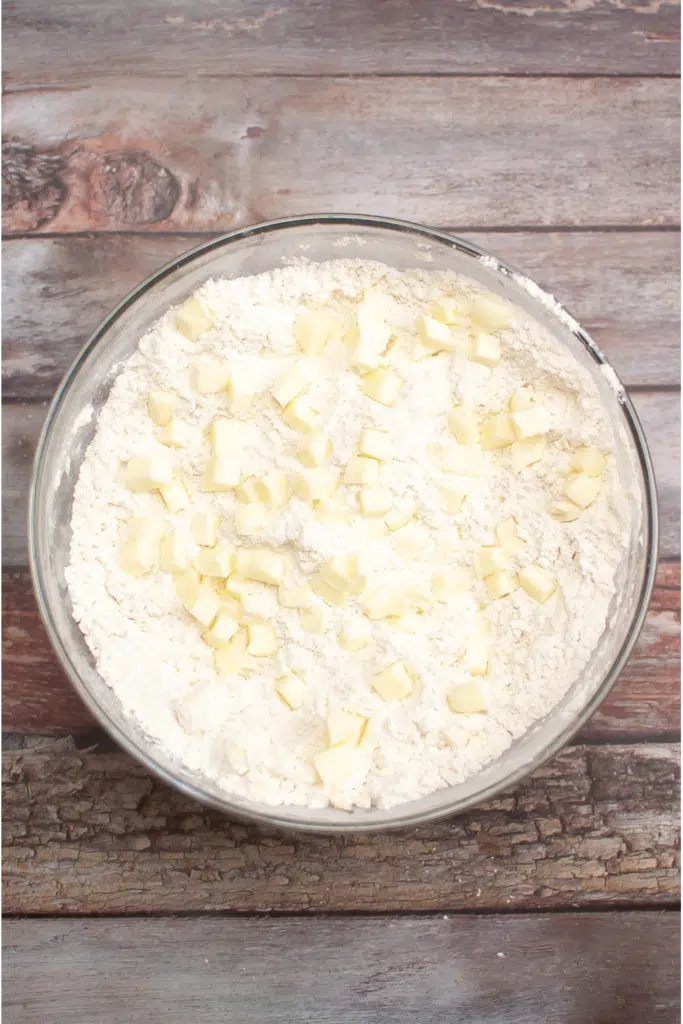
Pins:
<point x="242" y="810"/>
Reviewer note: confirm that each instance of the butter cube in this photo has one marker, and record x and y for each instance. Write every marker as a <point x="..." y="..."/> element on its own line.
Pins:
<point x="329" y="594"/>
<point x="410" y="541"/>
<point x="291" y="690"/>
<point x="240" y="394"/>
<point x="526" y="453"/>
<point x="246" y="490"/>
<point x="476" y="658"/>
<point x="434" y="334"/>
<point x="383" y="603"/>
<point x="204" y="528"/>
<point x="200" y="600"/>
<point x="252" y="519"/>
<point x="521" y="399"/>
<point x="490" y="312"/>
<point x="582" y="489"/>
<point x="316" y="484"/>
<point x="485" y="349"/>
<point x="191" y="320"/>
<point x="215" y="561"/>
<point x="294" y="597"/>
<point x="345" y="727"/>
<point x="538" y="583"/>
<point x="361" y="471"/>
<point x="589" y="460"/>
<point x="452" y="498"/>
<point x="332" y="510"/>
<point x="355" y="635"/>
<point x="383" y="385"/>
<point x="262" y="641"/>
<point x="161" y="405"/>
<point x="462" y="422"/>
<point x="313" y="328"/>
<point x="297" y="378"/>
<point x="176" y="433"/>
<point x="448" y="583"/>
<point x="173" y="556"/>
<point x="374" y="444"/>
<point x="315" y="450"/>
<point x="273" y="489"/>
<point x="301" y="415"/>
<point x="463" y="459"/>
<point x="210" y="376"/>
<point x="497" y="431"/>
<point x="508" y="537"/>
<point x="139" y="554"/>
<point x="565" y="511"/>
<point x="530" y="422"/>
<point x="393" y="682"/>
<point x="232" y="659"/>
<point x="174" y="495"/>
<point x="221" y="631"/>
<point x="261" y="564"/>
<point x="222" y="473"/>
<point x="410" y="622"/>
<point x="341" y="572"/>
<point x="337" y="765"/>
<point x="418" y="595"/>
<point x="468" y="698"/>
<point x="313" y="620"/>
<point x="449" y="541"/>
<point x="449" y="311"/>
<point x="375" y="501"/>
<point x="401" y="514"/>
<point x="225" y="437"/>
<point x="500" y="584"/>
<point x="488" y="560"/>
<point x="149" y="472"/>
<point x="372" y="334"/>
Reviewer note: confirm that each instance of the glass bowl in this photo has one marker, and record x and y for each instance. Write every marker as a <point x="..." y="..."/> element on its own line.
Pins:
<point x="70" y="425"/>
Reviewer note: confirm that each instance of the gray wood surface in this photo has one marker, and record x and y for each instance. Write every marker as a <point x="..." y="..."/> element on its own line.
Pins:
<point x="644" y="703"/>
<point x="22" y="422"/>
<point x="543" y="969"/>
<point x="124" y="154"/>
<point x="76" y="41"/>
<point x="622" y="286"/>
<point x="92" y="832"/>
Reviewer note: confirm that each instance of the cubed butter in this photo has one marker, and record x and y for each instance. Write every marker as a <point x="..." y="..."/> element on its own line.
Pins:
<point x="355" y="635"/>
<point x="173" y="554"/>
<point x="313" y="620"/>
<point x="161" y="405"/>
<point x="583" y="489"/>
<point x="175" y="495"/>
<point x="139" y="554"/>
<point x="383" y="603"/>
<point x="526" y="453"/>
<point x="221" y="631"/>
<point x="261" y="564"/>
<point x="313" y="328"/>
<point x="337" y="765"/>
<point x="401" y="514"/>
<point x="468" y="698"/>
<point x="252" y="519"/>
<point x="215" y="561"/>
<point x="262" y="641"/>
<point x="521" y="399"/>
<point x="463" y="459"/>
<point x="371" y="336"/>
<point x="342" y="572"/>
<point x="374" y="444"/>
<point x="294" y="597"/>
<point x="500" y="584"/>
<point x="485" y="349"/>
<point x="589" y="460"/>
<point x="393" y="682"/>
<point x="490" y="312"/>
<point x="488" y="560"/>
<point x="233" y="659"/>
<point x="245" y="491"/>
<point x="450" y="310"/>
<point x="345" y="727"/>
<point x="176" y="433"/>
<point x="497" y="431"/>
<point x="508" y="537"/>
<point x="315" y="450"/>
<point x="222" y="473"/>
<point x="434" y="334"/>
<point x="302" y="415"/>
<point x="273" y="489"/>
<point x="452" y="498"/>
<point x="291" y="690"/>
<point x="204" y="528"/>
<point x="383" y="385"/>
<point x="530" y="422"/>
<point x="149" y="472"/>
<point x="329" y="594"/>
<point x="226" y="436"/>
<point x="462" y="422"/>
<point x="476" y="657"/>
<point x="375" y="501"/>
<point x="296" y="379"/>
<point x="191" y="320"/>
<point x="210" y="376"/>
<point x="410" y="541"/>
<point x="448" y="583"/>
<point x="564" y="511"/>
<point x="361" y="471"/>
<point x="201" y="601"/>
<point x="537" y="582"/>
<point x="316" y="484"/>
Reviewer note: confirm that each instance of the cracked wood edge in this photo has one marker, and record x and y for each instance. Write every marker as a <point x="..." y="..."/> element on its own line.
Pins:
<point x="88" y="832"/>
<point x="455" y="150"/>
<point x="645" y="701"/>
<point x="623" y="287"/>
<point x="566" y="968"/>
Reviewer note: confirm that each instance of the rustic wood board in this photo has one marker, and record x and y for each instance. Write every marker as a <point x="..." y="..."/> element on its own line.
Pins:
<point x="74" y="42"/>
<point x="644" y="703"/>
<point x="90" y="832"/>
<point x="624" y="287"/>
<point x="477" y="152"/>
<point x="658" y="410"/>
<point x="568" y="968"/>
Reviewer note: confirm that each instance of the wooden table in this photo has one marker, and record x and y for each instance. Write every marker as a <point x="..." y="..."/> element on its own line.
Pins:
<point x="549" y="135"/>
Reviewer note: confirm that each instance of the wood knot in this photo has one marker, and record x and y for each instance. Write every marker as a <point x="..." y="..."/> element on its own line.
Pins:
<point x="33" y="189"/>
<point x="134" y="188"/>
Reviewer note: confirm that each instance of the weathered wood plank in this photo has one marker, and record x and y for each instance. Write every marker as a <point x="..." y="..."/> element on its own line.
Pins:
<point x="89" y="832"/>
<point x="645" y="702"/>
<point x="659" y="412"/>
<point x="73" y="42"/>
<point x="622" y="286"/>
<point x="514" y="969"/>
<point x="459" y="151"/>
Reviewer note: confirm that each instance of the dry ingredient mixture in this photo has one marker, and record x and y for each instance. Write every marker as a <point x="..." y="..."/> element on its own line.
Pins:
<point x="344" y="532"/>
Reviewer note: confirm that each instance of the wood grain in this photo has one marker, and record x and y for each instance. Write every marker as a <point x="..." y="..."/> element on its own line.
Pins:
<point x="89" y="832"/>
<point x="515" y="151"/>
<point x="74" y="42"/>
<point x="644" y="703"/>
<point x="622" y="286"/>
<point x="515" y="969"/>
<point x="659" y="412"/>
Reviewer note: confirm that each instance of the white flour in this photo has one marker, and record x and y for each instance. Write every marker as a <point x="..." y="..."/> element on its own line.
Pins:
<point x="237" y="731"/>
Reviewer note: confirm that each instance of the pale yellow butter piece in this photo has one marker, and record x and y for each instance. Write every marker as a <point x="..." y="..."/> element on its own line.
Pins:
<point x="463" y="459"/>
<point x="383" y="603"/>
<point x="486" y="349"/>
<point x="139" y="554"/>
<point x="361" y="471"/>
<point x="200" y="600"/>
<point x="345" y="727"/>
<point x="410" y="541"/>
<point x="176" y="433"/>
<point x="500" y="584"/>
<point x="233" y="659"/>
<point x="589" y="460"/>
<point x="490" y="312"/>
<point x="401" y="514"/>
<point x="526" y="453"/>
<point x="191" y="320"/>
<point x="375" y="501"/>
<point x="329" y="594"/>
<point x="149" y="472"/>
<point x="371" y="336"/>
<point x="355" y="635"/>
<point x="296" y="379"/>
<point x="434" y="334"/>
<point x="225" y="436"/>
<point x="452" y="498"/>
<point x="383" y="385"/>
<point x="583" y="489"/>
<point x="316" y="484"/>
<point x="222" y="473"/>
<point x="497" y="431"/>
<point x="337" y="765"/>
<point x="215" y="561"/>
<point x="508" y="537"/>
<point x="537" y="582"/>
<point x="301" y="414"/>
<point x="173" y="554"/>
<point x="262" y="641"/>
<point x="521" y="399"/>
<point x="447" y="583"/>
<point x="313" y="620"/>
<point x="565" y="511"/>
<point x="261" y="564"/>
<point x="530" y="422"/>
<point x="342" y="572"/>
<point x="294" y="597"/>
<point x="240" y="394"/>
<point x="462" y="422"/>
<point x="291" y="690"/>
<point x="476" y="658"/>
<point x="204" y="528"/>
<point x="488" y="560"/>
<point x="450" y="310"/>
<point x="221" y="631"/>
<point x="315" y="450"/>
<point x="273" y="489"/>
<point x="161" y="405"/>
<point x="245" y="491"/>
<point x="393" y="682"/>
<point x="210" y="376"/>
<point x="175" y="495"/>
<point x="313" y="328"/>
<point x="468" y="698"/>
<point x="374" y="444"/>
<point x="252" y="519"/>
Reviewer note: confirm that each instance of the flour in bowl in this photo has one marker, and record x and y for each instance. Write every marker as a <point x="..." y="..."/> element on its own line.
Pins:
<point x="345" y="532"/>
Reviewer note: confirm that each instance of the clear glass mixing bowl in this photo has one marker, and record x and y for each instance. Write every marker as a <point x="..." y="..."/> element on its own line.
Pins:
<point x="70" y="426"/>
